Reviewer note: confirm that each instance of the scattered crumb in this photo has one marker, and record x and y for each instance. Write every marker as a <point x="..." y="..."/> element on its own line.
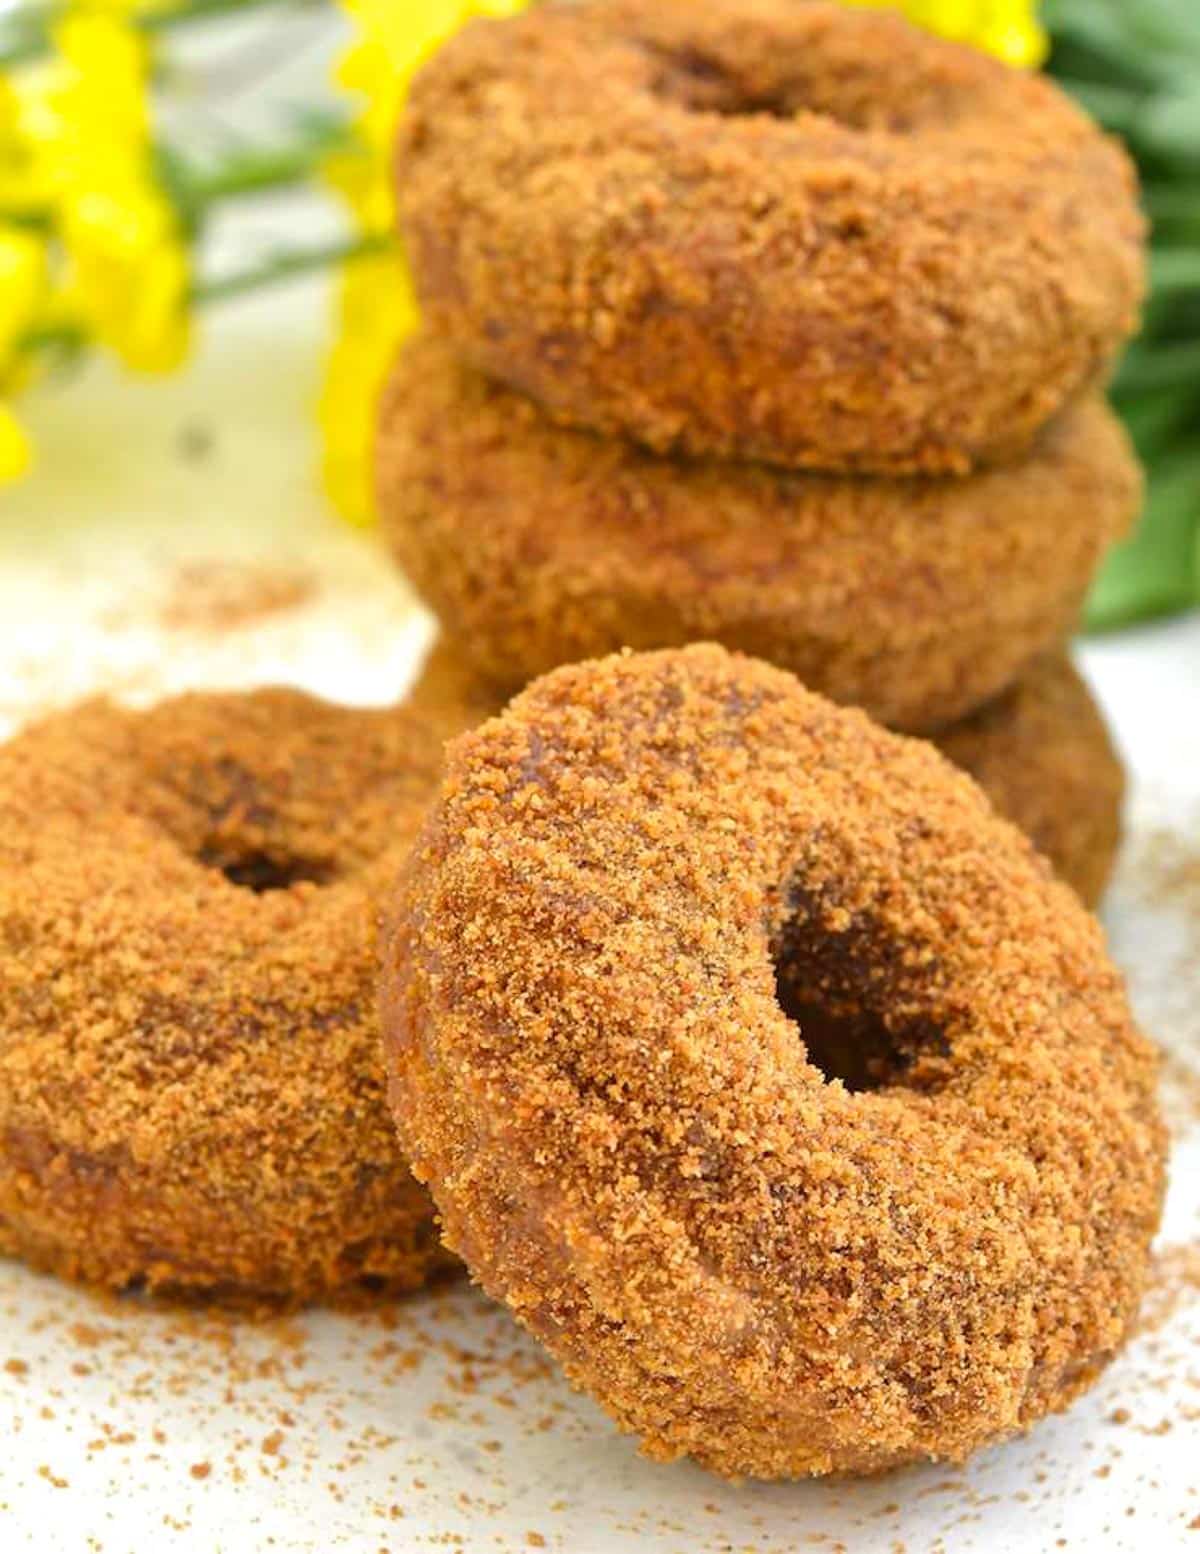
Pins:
<point x="217" y="596"/>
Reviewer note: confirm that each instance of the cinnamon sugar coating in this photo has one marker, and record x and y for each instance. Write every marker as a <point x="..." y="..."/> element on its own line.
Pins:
<point x="1041" y="752"/>
<point x="917" y="600"/>
<point x="653" y="890"/>
<point x="807" y="234"/>
<point x="190" y="1089"/>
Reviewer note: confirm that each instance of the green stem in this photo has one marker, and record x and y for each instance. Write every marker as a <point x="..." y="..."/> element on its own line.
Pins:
<point x="256" y="173"/>
<point x="163" y="19"/>
<point x="31" y="27"/>
<point x="284" y="266"/>
<point x="70" y="339"/>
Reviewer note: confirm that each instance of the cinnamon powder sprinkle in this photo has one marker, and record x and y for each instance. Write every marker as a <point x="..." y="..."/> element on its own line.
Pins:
<point x="219" y="596"/>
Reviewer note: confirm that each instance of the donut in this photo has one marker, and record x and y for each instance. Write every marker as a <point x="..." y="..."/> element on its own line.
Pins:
<point x="1044" y="756"/>
<point x="191" y="1096"/>
<point x="1041" y="752"/>
<point x="769" y="1078"/>
<point x="917" y="600"/>
<point x="755" y="229"/>
<point x="447" y="689"/>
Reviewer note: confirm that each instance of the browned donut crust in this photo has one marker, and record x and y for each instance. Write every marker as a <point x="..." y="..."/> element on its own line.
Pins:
<point x="917" y="600"/>
<point x="759" y="229"/>
<point x="1041" y="752"/>
<point x="448" y="688"/>
<point x="190" y="1089"/>
<point x="1044" y="756"/>
<point x="647" y="886"/>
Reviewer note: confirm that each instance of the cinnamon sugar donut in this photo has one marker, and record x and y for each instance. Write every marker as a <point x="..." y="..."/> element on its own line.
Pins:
<point x="1041" y="752"/>
<point x="917" y="600"/>
<point x="756" y="229"/>
<point x="190" y="1088"/>
<point x="767" y="1075"/>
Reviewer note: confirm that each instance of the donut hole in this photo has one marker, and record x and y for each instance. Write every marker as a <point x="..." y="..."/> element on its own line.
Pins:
<point x="854" y="1016"/>
<point x="261" y="871"/>
<point x="692" y="80"/>
<point x="698" y="83"/>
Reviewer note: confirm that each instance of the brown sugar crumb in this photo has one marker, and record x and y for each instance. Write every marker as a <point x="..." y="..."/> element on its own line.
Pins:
<point x="87" y="1335"/>
<point x="1164" y="875"/>
<point x="17" y="1367"/>
<point x="216" y="596"/>
<point x="535" y="1540"/>
<point x="1120" y="1416"/>
<point x="44" y="1471"/>
<point x="272" y="1444"/>
<point x="200" y="1469"/>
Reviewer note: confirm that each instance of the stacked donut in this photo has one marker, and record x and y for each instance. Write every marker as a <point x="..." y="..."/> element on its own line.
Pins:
<point x="782" y="325"/>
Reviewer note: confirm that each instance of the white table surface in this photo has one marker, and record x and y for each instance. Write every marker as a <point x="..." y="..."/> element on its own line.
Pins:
<point x="435" y="1424"/>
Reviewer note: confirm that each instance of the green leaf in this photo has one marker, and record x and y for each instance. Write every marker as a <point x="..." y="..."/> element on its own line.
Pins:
<point x="1174" y="208"/>
<point x="1149" y="366"/>
<point x="1168" y="124"/>
<point x="1175" y="269"/>
<point x="1096" y="40"/>
<point x="1157" y="421"/>
<point x="1119" y="108"/>
<point x="1155" y="572"/>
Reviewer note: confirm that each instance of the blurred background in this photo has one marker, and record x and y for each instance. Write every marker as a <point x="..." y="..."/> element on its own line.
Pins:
<point x="197" y="273"/>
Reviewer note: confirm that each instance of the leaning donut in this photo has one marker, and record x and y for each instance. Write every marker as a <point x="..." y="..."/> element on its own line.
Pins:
<point x="806" y="234"/>
<point x="916" y="600"/>
<point x="663" y="901"/>
<point x="1044" y="756"/>
<point x="1041" y="752"/>
<point x="190" y="1089"/>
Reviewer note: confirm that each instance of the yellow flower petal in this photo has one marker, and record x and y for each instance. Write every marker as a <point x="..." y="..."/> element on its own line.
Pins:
<point x="377" y="308"/>
<point x="127" y="272"/>
<point x="376" y="311"/>
<point x="1006" y="28"/>
<point x="14" y="446"/>
<point x="22" y="283"/>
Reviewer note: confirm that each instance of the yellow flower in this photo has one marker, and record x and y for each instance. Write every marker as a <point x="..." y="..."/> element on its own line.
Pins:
<point x="1006" y="28"/>
<point x="29" y="126"/>
<point x="376" y="308"/>
<point x="128" y="277"/>
<point x="23" y="278"/>
<point x="22" y="283"/>
<point x="17" y="189"/>
<point x="14" y="446"/>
